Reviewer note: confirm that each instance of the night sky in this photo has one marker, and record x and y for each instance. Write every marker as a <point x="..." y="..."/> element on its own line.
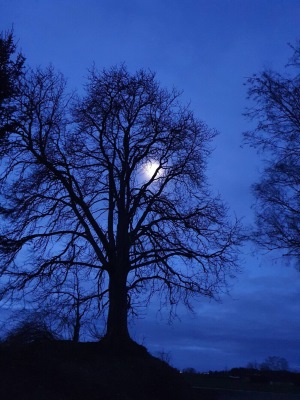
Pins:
<point x="207" y="48"/>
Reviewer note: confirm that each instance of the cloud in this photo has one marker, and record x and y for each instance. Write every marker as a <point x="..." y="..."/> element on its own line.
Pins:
<point x="259" y="319"/>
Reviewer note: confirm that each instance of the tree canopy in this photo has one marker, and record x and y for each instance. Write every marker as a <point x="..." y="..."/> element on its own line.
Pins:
<point x="112" y="183"/>
<point x="11" y="69"/>
<point x="276" y="110"/>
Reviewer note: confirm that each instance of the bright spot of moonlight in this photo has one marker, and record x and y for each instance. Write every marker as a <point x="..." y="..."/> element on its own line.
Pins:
<point x="150" y="168"/>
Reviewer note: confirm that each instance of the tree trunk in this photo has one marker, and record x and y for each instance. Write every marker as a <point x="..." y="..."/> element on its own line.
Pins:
<point x="77" y="325"/>
<point x="117" y="334"/>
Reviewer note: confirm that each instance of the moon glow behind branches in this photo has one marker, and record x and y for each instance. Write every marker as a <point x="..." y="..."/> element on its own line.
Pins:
<point x="150" y="168"/>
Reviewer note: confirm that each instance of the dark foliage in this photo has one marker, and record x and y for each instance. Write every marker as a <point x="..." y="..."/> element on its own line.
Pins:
<point x="11" y="70"/>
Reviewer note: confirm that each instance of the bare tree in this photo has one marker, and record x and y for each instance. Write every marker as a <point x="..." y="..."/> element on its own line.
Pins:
<point x="275" y="363"/>
<point x="70" y="306"/>
<point x="113" y="183"/>
<point x="276" y="109"/>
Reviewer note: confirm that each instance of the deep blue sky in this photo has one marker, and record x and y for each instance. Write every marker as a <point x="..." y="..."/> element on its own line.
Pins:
<point x="207" y="48"/>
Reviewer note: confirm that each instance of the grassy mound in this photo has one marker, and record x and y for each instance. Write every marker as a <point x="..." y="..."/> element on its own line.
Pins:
<point x="86" y="371"/>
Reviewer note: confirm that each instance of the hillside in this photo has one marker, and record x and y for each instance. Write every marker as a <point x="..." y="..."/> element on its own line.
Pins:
<point x="64" y="370"/>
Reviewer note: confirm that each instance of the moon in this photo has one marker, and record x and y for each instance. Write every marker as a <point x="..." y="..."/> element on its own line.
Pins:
<point x="150" y="168"/>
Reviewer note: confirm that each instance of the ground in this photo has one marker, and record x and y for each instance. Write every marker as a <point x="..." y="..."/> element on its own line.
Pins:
<point x="245" y="384"/>
<point x="86" y="371"/>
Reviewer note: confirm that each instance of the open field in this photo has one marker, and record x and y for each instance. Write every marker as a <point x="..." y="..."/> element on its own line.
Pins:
<point x="227" y="394"/>
<point x="243" y="384"/>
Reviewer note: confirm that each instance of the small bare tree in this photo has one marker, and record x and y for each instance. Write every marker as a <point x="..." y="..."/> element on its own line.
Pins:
<point x="113" y="183"/>
<point x="68" y="304"/>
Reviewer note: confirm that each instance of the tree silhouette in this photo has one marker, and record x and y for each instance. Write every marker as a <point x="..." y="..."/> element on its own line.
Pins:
<point x="276" y="109"/>
<point x="69" y="306"/>
<point x="11" y="69"/>
<point x="112" y="183"/>
<point x="275" y="363"/>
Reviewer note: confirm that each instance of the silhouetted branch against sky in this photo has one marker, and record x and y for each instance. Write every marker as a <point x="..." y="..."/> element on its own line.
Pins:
<point x="276" y="111"/>
<point x="80" y="189"/>
<point x="207" y="49"/>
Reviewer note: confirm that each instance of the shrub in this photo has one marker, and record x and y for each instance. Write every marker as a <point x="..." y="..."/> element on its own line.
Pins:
<point x="29" y="331"/>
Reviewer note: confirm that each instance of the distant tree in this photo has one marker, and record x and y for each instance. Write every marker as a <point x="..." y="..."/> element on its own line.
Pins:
<point x="11" y="69"/>
<point x="164" y="356"/>
<point x="276" y="108"/>
<point x="114" y="184"/>
<point x="274" y="363"/>
<point x="253" y="365"/>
